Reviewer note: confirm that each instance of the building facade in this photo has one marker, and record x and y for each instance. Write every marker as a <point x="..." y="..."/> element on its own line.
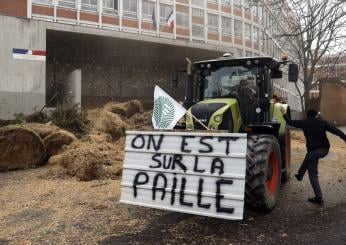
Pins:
<point x="122" y="48"/>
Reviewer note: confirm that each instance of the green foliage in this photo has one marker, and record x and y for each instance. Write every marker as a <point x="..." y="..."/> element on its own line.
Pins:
<point x="66" y="116"/>
<point x="38" y="117"/>
<point x="70" y="117"/>
<point x="18" y="118"/>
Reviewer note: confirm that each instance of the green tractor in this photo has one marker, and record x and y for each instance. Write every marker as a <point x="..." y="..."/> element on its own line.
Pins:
<point x="235" y="95"/>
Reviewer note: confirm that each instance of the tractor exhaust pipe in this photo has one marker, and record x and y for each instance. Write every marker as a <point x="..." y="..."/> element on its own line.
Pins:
<point x="189" y="85"/>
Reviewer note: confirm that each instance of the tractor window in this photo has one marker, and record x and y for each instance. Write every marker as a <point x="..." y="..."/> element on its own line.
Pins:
<point x="231" y="82"/>
<point x="237" y="82"/>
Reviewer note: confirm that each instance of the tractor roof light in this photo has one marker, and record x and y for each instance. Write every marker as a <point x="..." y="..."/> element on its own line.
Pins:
<point x="284" y="57"/>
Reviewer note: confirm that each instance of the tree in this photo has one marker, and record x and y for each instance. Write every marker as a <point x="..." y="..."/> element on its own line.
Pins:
<point x="314" y="30"/>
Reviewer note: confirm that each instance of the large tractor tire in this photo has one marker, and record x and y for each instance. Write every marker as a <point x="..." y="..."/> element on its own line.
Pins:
<point x="263" y="172"/>
<point x="285" y="145"/>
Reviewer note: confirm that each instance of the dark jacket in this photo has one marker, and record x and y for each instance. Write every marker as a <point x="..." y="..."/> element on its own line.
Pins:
<point x="315" y="132"/>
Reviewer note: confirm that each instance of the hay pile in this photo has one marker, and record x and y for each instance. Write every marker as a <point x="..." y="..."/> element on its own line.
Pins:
<point x="106" y="122"/>
<point x="114" y="118"/>
<point x="43" y="130"/>
<point x="56" y="140"/>
<point x="87" y="161"/>
<point x="125" y="109"/>
<point x="97" y="155"/>
<point x="20" y="148"/>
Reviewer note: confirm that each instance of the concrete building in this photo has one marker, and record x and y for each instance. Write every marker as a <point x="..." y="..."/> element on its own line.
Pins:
<point x="100" y="50"/>
<point x="332" y="101"/>
<point x="328" y="69"/>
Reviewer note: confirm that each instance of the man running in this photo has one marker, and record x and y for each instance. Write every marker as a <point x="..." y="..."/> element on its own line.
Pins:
<point x="317" y="145"/>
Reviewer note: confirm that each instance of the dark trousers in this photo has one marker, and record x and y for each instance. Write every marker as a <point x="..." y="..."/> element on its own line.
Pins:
<point x="310" y="163"/>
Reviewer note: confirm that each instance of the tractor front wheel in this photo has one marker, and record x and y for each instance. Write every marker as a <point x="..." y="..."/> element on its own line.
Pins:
<point x="263" y="172"/>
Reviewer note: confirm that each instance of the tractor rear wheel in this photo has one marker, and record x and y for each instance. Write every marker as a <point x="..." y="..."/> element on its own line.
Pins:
<point x="263" y="172"/>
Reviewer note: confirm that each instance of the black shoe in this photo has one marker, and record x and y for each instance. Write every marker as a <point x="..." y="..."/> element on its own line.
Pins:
<point x="298" y="177"/>
<point x="317" y="200"/>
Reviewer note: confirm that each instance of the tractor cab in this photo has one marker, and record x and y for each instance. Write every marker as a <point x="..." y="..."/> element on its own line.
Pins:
<point x="229" y="93"/>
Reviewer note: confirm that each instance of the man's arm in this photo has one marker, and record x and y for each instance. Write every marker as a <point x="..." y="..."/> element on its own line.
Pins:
<point x="294" y="123"/>
<point x="334" y="130"/>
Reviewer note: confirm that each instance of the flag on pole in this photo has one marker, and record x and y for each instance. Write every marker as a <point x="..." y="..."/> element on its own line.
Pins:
<point x="170" y="21"/>
<point x="167" y="111"/>
<point x="153" y="18"/>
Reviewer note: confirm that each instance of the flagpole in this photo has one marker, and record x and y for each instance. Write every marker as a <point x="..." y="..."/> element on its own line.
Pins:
<point x="175" y="20"/>
<point x="198" y="120"/>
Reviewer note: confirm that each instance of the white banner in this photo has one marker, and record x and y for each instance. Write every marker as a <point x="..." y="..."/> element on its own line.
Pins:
<point x="167" y="111"/>
<point x="197" y="173"/>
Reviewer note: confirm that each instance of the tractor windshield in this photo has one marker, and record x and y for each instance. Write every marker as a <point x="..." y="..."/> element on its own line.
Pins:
<point x="237" y="82"/>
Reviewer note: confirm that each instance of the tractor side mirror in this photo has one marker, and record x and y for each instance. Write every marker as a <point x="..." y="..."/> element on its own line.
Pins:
<point x="293" y="72"/>
<point x="175" y="79"/>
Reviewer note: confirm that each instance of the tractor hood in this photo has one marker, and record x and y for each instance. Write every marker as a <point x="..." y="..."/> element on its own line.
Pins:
<point x="210" y="112"/>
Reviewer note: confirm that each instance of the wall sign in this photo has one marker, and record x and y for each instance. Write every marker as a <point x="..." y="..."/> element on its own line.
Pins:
<point x="191" y="172"/>
<point x="28" y="54"/>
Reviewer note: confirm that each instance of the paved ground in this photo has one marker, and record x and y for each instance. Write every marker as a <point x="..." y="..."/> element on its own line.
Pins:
<point x="38" y="210"/>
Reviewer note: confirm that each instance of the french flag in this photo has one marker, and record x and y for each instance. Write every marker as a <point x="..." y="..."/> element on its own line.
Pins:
<point x="170" y="21"/>
<point x="28" y="54"/>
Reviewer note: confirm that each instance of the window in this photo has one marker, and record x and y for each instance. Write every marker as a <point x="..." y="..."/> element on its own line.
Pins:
<point x="213" y="23"/>
<point x="182" y="19"/>
<point x="67" y="3"/>
<point x="130" y="8"/>
<point x="89" y="5"/>
<point x="198" y="31"/>
<point x="226" y="2"/>
<point x="198" y="2"/>
<point x="255" y="10"/>
<point x="239" y="52"/>
<point x="248" y="31"/>
<point x="247" y="5"/>
<point x="261" y="38"/>
<point x="148" y="8"/>
<point x="43" y="1"/>
<point x="237" y="3"/>
<point x="198" y="12"/>
<point x="165" y="11"/>
<point x="226" y="24"/>
<point x="260" y="11"/>
<point x="238" y="28"/>
<point x="255" y="34"/>
<point x="248" y="54"/>
<point x="110" y="6"/>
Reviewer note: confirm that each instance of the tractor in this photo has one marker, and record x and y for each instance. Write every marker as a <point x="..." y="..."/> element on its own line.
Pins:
<point x="235" y="95"/>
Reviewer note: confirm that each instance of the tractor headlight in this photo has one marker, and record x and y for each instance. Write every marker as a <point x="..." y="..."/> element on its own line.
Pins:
<point x="218" y="118"/>
<point x="213" y="127"/>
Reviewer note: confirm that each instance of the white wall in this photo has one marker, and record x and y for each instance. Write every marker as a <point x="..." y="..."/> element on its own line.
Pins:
<point x="22" y="82"/>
